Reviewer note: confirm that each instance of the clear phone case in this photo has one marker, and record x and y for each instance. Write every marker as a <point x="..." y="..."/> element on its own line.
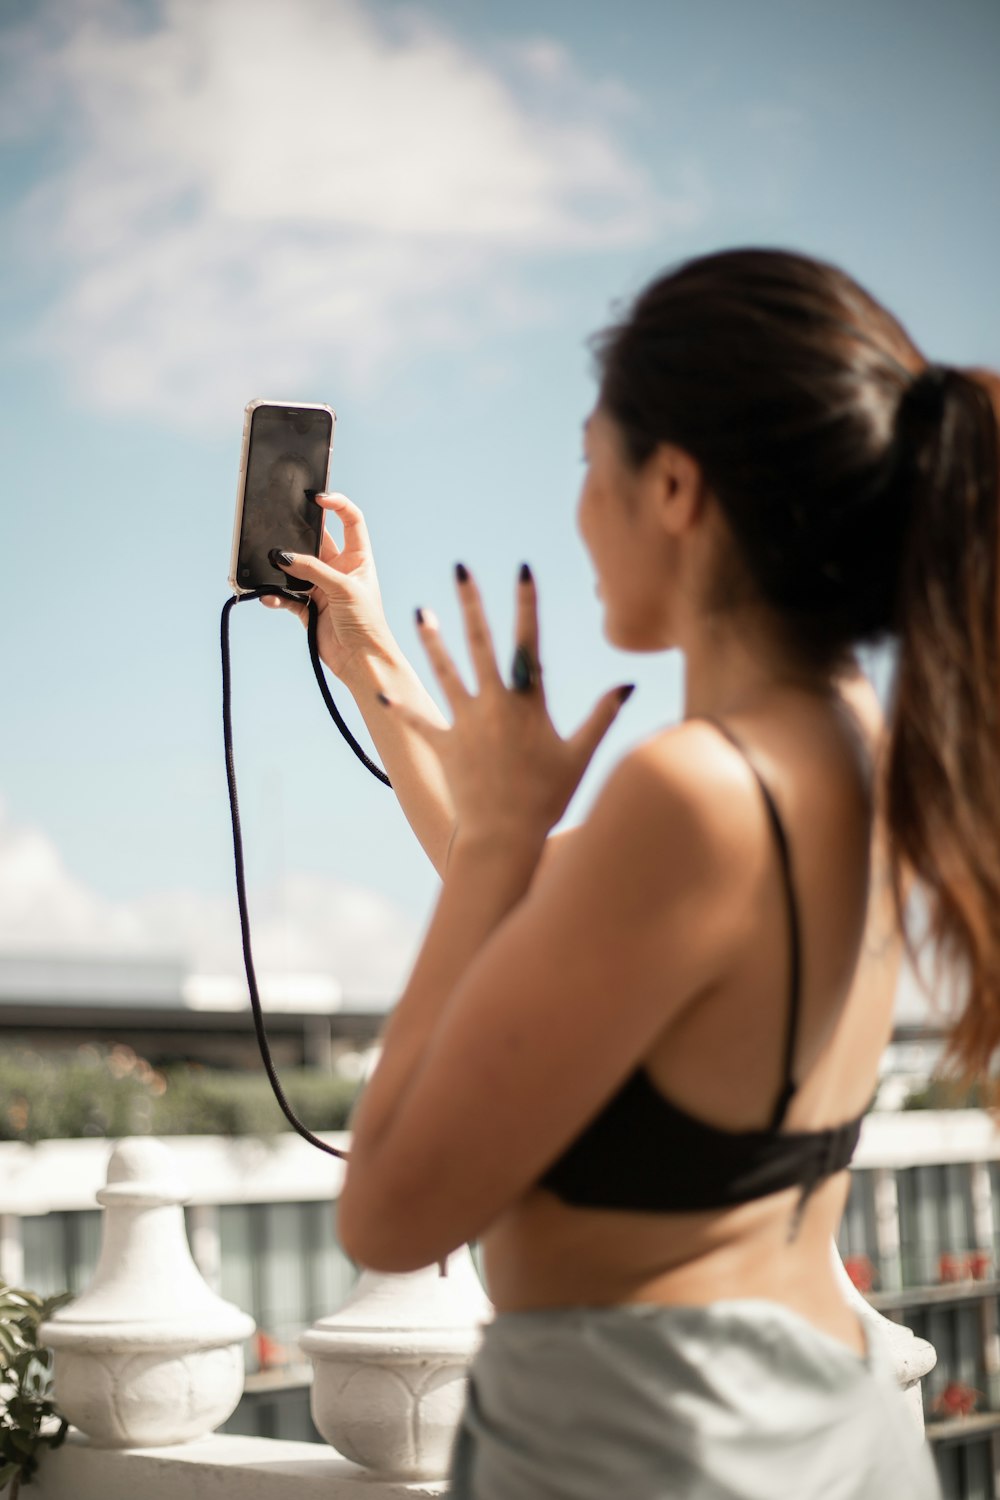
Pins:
<point x="284" y="462"/>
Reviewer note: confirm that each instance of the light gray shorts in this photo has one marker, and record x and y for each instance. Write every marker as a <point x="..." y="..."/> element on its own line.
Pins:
<point x="741" y="1400"/>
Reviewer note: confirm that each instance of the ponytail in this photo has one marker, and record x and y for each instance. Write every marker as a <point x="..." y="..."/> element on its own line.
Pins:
<point x="943" y="758"/>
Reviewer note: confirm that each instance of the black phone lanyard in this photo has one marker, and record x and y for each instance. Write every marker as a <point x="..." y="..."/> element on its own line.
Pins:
<point x="241" y="889"/>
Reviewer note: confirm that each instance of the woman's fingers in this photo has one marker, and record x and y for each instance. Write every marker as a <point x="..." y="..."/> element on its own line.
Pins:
<point x="272" y="601"/>
<point x="593" y="729"/>
<point x="477" y="630"/>
<point x="328" y="548"/>
<point x="444" y="668"/>
<point x="526" y="617"/>
<point x="356" y="537"/>
<point x="302" y="565"/>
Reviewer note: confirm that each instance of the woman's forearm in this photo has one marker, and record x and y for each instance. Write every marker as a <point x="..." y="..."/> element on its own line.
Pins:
<point x="485" y="881"/>
<point x="409" y="762"/>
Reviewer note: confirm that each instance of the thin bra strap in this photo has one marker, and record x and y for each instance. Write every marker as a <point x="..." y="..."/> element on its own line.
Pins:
<point x="788" y="1085"/>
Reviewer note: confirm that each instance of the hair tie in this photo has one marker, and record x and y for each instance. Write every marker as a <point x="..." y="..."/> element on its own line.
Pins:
<point x="926" y="390"/>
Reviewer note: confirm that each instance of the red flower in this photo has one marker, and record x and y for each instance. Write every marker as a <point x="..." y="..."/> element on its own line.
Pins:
<point x="957" y="1400"/>
<point x="861" y="1271"/>
<point x="270" y="1354"/>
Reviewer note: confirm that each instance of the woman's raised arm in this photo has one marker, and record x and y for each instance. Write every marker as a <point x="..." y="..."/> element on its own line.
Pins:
<point x="356" y="644"/>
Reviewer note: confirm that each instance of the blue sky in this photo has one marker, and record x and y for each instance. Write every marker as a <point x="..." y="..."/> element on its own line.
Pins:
<point x="417" y="213"/>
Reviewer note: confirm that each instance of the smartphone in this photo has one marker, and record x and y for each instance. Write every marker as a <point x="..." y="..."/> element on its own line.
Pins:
<point x="284" y="463"/>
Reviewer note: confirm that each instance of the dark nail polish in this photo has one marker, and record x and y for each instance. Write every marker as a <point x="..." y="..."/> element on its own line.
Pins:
<point x="279" y="559"/>
<point x="420" y="616"/>
<point x="625" y="693"/>
<point x="461" y="573"/>
<point x="525" y="573"/>
<point x="382" y="699"/>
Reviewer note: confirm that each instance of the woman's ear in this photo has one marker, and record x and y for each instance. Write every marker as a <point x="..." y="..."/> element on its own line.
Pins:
<point x="677" y="488"/>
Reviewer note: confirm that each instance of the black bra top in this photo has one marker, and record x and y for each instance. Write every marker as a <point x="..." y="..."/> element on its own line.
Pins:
<point x="644" y="1153"/>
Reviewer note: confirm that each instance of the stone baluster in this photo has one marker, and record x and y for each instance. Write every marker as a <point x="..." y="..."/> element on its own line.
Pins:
<point x="390" y="1367"/>
<point x="147" y="1355"/>
<point x="913" y="1357"/>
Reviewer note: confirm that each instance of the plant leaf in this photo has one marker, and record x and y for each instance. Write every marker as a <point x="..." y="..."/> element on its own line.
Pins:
<point x="9" y="1339"/>
<point x="58" y="1299"/>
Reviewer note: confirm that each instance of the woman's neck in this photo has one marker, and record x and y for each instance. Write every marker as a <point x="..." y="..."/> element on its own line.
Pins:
<point x="738" y="662"/>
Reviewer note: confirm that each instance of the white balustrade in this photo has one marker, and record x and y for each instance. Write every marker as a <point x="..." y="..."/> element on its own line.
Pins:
<point x="148" y="1358"/>
<point x="390" y="1367"/>
<point x="148" y="1353"/>
<point x="912" y="1357"/>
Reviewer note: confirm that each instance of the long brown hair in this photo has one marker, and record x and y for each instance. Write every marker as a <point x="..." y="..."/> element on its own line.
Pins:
<point x="943" y="771"/>
<point x="861" y="485"/>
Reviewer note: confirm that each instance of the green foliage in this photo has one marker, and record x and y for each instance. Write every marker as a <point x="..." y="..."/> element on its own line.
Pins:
<point x="29" y="1420"/>
<point x="206" y="1101"/>
<point x="64" y="1095"/>
<point x="112" y="1092"/>
<point x="943" y="1092"/>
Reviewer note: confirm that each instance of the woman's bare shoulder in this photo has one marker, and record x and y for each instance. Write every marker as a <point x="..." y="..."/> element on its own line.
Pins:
<point x="683" y="776"/>
<point x="659" y="865"/>
<point x="694" y="762"/>
<point x="686" y="785"/>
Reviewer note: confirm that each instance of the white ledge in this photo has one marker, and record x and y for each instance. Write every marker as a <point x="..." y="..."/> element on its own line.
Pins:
<point x="68" y="1175"/>
<point x="214" y="1468"/>
<point x="925" y="1137"/>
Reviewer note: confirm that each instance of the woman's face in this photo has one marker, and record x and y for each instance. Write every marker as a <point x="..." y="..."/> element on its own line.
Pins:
<point x="621" y="526"/>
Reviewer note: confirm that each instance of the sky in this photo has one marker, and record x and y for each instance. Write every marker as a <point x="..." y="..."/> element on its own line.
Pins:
<point x="418" y="213"/>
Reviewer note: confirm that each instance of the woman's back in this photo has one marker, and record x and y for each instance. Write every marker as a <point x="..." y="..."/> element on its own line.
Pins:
<point x="720" y="1061"/>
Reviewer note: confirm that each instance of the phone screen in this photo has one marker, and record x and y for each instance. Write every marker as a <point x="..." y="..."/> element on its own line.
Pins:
<point x="288" y="461"/>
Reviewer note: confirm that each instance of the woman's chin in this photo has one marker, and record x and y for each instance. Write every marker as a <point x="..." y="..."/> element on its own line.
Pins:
<point x="625" y="636"/>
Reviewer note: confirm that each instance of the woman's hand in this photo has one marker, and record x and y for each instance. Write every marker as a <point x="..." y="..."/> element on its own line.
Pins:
<point x="345" y="589"/>
<point x="509" y="773"/>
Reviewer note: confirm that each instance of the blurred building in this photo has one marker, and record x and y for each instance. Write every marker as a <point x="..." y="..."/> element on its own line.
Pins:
<point x="168" y="1014"/>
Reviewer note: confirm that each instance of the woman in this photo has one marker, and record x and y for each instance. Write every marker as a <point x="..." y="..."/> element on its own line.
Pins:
<point x="632" y="1058"/>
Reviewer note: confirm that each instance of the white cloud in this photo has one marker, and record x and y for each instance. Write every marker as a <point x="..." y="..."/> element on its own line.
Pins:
<point x="42" y="906"/>
<point x="307" y="925"/>
<point x="250" y="190"/>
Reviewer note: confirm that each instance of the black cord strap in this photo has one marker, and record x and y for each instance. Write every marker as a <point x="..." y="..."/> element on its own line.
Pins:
<point x="324" y="687"/>
<point x="241" y="890"/>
